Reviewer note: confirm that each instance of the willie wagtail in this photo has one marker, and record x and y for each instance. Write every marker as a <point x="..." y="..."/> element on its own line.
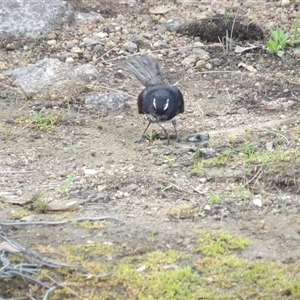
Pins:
<point x="160" y="101"/>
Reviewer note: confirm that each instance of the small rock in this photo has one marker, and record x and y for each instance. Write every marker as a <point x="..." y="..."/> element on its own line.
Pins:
<point x="257" y="202"/>
<point x="170" y="267"/>
<point x="102" y="35"/>
<point x="200" y="63"/>
<point x="90" y="172"/>
<point x="90" y="41"/>
<point x="288" y="104"/>
<point x="207" y="207"/>
<point x="285" y="2"/>
<point x="130" y="46"/>
<point x="2" y="66"/>
<point x="51" y="36"/>
<point x="129" y="188"/>
<point x="76" y="49"/>
<point x="242" y="111"/>
<point x="171" y="25"/>
<point x="72" y="205"/>
<point x="199" y="137"/>
<point x="69" y="60"/>
<point x="141" y="269"/>
<point x="269" y="146"/>
<point x="110" y="44"/>
<point x="208" y="152"/>
<point x="189" y="61"/>
<point x="51" y="42"/>
<point x="107" y="100"/>
<point x="209" y="66"/>
<point x="160" y="45"/>
<point x="198" y="44"/>
<point x="70" y="45"/>
<point x="160" y="10"/>
<point x="297" y="52"/>
<point x="201" y="54"/>
<point x="217" y="61"/>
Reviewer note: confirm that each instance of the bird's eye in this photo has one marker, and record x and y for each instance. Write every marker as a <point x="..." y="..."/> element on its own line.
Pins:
<point x="166" y="105"/>
<point x="154" y="103"/>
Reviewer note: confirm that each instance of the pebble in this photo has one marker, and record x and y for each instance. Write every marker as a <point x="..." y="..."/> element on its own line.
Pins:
<point x="51" y="36"/>
<point x="288" y="104"/>
<point x="102" y="35"/>
<point x="51" y="42"/>
<point x="257" y="201"/>
<point x="69" y="60"/>
<point x="76" y="49"/>
<point x="285" y="2"/>
<point x="2" y="66"/>
<point x="242" y="111"/>
<point x="90" y="41"/>
<point x="70" y="45"/>
<point x="130" y="47"/>
<point x="90" y="172"/>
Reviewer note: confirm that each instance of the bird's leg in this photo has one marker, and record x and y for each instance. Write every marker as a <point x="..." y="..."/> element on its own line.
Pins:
<point x="143" y="135"/>
<point x="157" y="121"/>
<point x="177" y="138"/>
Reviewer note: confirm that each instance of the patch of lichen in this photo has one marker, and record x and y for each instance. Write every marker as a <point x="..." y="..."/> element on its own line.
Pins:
<point x="219" y="242"/>
<point x="212" y="271"/>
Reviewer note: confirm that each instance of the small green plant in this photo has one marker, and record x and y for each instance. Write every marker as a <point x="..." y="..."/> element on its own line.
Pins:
<point x="39" y="201"/>
<point x="168" y="160"/>
<point x="66" y="185"/>
<point x="45" y="122"/>
<point x="249" y="150"/>
<point x="40" y="121"/>
<point x="293" y="41"/>
<point x="6" y="131"/>
<point x="150" y="136"/>
<point x="280" y="39"/>
<point x="222" y="160"/>
<point x="214" y="199"/>
<point x="151" y="238"/>
<point x="231" y="138"/>
<point x="277" y="43"/>
<point x="198" y="168"/>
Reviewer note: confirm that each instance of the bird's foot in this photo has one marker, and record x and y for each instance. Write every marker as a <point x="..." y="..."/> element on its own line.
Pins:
<point x="177" y="138"/>
<point x="142" y="139"/>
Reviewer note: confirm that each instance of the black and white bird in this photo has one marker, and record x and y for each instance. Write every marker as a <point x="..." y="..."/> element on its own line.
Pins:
<point x="160" y="101"/>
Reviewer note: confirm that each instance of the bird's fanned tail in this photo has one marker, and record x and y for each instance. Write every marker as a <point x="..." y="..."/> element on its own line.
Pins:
<point x="146" y="69"/>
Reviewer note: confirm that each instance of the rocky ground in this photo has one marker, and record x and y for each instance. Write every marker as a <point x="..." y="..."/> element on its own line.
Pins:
<point x="86" y="162"/>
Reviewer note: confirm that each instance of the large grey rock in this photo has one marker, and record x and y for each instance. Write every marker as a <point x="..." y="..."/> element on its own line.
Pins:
<point x="51" y="77"/>
<point x="33" y="18"/>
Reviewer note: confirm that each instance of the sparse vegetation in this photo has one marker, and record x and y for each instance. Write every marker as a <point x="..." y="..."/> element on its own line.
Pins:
<point x="41" y="121"/>
<point x="66" y="185"/>
<point x="280" y="39"/>
<point x="40" y="201"/>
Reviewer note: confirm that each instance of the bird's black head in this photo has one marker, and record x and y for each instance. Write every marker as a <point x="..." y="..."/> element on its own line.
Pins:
<point x="160" y="107"/>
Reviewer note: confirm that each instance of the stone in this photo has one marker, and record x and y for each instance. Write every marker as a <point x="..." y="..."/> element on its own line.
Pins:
<point x="130" y="47"/>
<point x="88" y="17"/>
<point x="285" y="2"/>
<point x="33" y="18"/>
<point x="76" y="49"/>
<point x="51" y="42"/>
<point x="52" y="75"/>
<point x="242" y="111"/>
<point x="90" y="41"/>
<point x="109" y="101"/>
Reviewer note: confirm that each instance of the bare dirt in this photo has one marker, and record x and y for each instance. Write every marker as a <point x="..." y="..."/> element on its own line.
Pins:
<point x="152" y="187"/>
